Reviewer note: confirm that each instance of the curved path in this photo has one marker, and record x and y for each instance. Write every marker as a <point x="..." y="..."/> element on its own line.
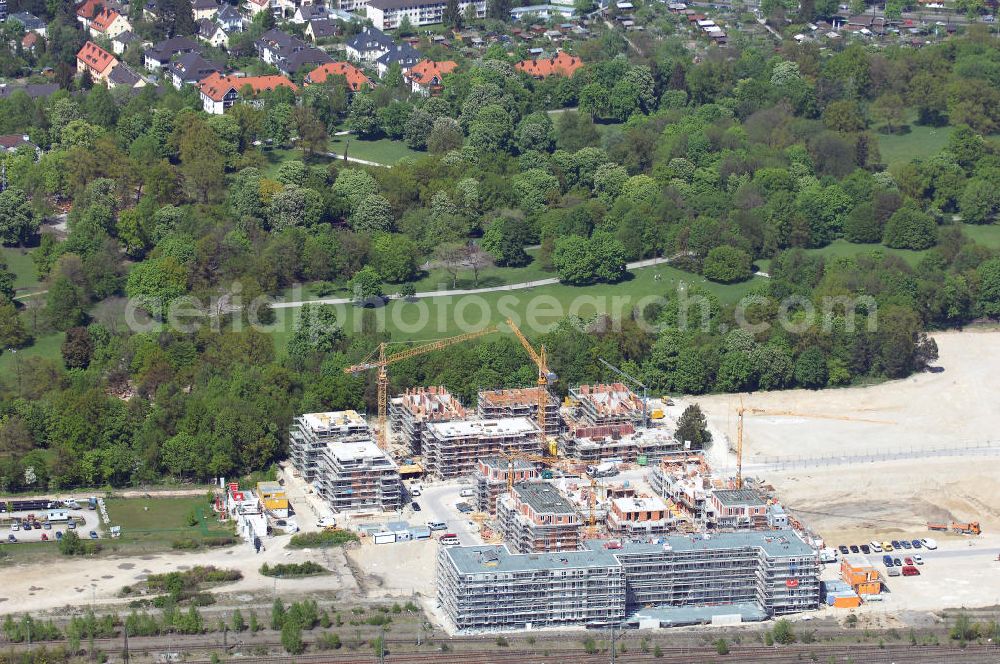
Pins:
<point x="472" y="291"/>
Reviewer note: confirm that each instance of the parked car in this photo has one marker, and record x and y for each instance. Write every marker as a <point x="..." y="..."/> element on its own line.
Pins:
<point x="918" y="559"/>
<point x="45" y="537"/>
<point x="464" y="508"/>
<point x="11" y="539"/>
<point x="876" y="547"/>
<point x="58" y="535"/>
<point x="893" y="571"/>
<point x="906" y="544"/>
<point x="897" y="562"/>
<point x="437" y="525"/>
<point x="843" y="549"/>
<point x="93" y="534"/>
<point x="71" y="525"/>
<point x="895" y="544"/>
<point x="929" y="543"/>
<point x="865" y="549"/>
<point x="15" y="526"/>
<point x="855" y="549"/>
<point x="886" y="546"/>
<point x="916" y="544"/>
<point x="908" y="561"/>
<point x="887" y="561"/>
<point x="910" y="570"/>
<point x="47" y="526"/>
<point x="415" y="505"/>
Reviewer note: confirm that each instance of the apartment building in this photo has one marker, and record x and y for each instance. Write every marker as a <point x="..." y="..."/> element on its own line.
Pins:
<point x="220" y="92"/>
<point x="491" y="479"/>
<point x="521" y="402"/>
<point x="535" y="518"/>
<point x="310" y="433"/>
<point x="452" y="449"/>
<point x="388" y="14"/>
<point x="357" y="476"/>
<point x="603" y="405"/>
<point x="289" y="53"/>
<point x="411" y="411"/>
<point x="635" y="517"/>
<point x="686" y="484"/>
<point x="490" y="587"/>
<point x="95" y="60"/>
<point x="593" y="444"/>
<point x="737" y="508"/>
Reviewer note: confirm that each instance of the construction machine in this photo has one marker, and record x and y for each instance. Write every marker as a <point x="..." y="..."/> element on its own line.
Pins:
<point x="781" y="413"/>
<point x="380" y="359"/>
<point x="545" y="377"/>
<point x="971" y="528"/>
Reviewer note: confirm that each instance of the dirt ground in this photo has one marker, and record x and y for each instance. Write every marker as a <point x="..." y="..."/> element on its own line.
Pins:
<point x="857" y="500"/>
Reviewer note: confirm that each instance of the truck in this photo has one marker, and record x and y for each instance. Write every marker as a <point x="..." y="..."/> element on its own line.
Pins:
<point x="92" y="503"/>
<point x="606" y="469"/>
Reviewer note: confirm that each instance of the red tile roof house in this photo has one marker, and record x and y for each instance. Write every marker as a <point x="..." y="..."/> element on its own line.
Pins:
<point x="356" y="79"/>
<point x="96" y="60"/>
<point x="108" y="23"/>
<point x="87" y="10"/>
<point x="220" y="92"/>
<point x="562" y="64"/>
<point x="426" y="76"/>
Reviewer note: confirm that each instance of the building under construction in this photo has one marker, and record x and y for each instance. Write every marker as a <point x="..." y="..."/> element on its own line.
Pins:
<point x="685" y="484"/>
<point x="635" y="517"/>
<point x="601" y="405"/>
<point x="453" y="449"/>
<point x="310" y="433"/>
<point x="521" y="402"/>
<point x="623" y="442"/>
<point x="488" y="587"/>
<point x="492" y="476"/>
<point x="413" y="409"/>
<point x="359" y="476"/>
<point x="535" y="518"/>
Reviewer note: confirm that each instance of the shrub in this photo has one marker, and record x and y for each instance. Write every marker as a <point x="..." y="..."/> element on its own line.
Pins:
<point x="502" y="642"/>
<point x="324" y="538"/>
<point x="184" y="544"/>
<point x="721" y="647"/>
<point x="285" y="570"/>
<point x="328" y="642"/>
<point x="727" y="265"/>
<point x="783" y="632"/>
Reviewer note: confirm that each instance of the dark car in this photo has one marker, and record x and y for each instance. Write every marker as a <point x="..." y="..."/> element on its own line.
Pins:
<point x="865" y="548"/>
<point x="916" y="544"/>
<point x="58" y="535"/>
<point x="415" y="505"/>
<point x="11" y="539"/>
<point x="47" y="526"/>
<point x="37" y="525"/>
<point x="855" y="549"/>
<point x="887" y="561"/>
<point x="93" y="534"/>
<point x="899" y="563"/>
<point x="906" y="544"/>
<point x="896" y="544"/>
<point x="843" y="549"/>
<point x="71" y="525"/>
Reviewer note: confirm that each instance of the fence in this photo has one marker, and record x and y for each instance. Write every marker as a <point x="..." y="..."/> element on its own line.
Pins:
<point x="981" y="448"/>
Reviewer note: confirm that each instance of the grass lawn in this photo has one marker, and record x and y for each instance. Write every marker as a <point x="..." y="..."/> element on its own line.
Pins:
<point x="49" y="346"/>
<point x="277" y="156"/>
<point x="920" y="143"/>
<point x="536" y="309"/>
<point x="987" y="235"/>
<point x="382" y="151"/>
<point x="19" y="262"/>
<point x="160" y="521"/>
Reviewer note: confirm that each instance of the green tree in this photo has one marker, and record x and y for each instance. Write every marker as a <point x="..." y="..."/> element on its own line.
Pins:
<point x="202" y="162"/>
<point x="291" y="638"/>
<point x="844" y="116"/>
<point x="909" y="228"/>
<point x="77" y="348"/>
<point x="394" y="256"/>
<point x="574" y="260"/>
<point x="452" y="16"/>
<point x="988" y="275"/>
<point x="446" y="135"/>
<point x="506" y="239"/>
<point x="155" y="283"/>
<point x="372" y="215"/>
<point x="278" y="614"/>
<point x="609" y="254"/>
<point x="12" y="332"/>
<point x="366" y="286"/>
<point x="238" y="623"/>
<point x="810" y="369"/>
<point x="980" y="202"/>
<point x="354" y="185"/>
<point x="727" y="265"/>
<point x="362" y="119"/>
<point x="17" y="219"/>
<point x="890" y="106"/>
<point x="65" y="304"/>
<point x="492" y="130"/>
<point x="692" y="426"/>
<point x="783" y="632"/>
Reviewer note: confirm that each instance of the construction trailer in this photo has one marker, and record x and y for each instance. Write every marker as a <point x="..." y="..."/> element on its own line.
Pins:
<point x="273" y="496"/>
<point x="359" y="476"/>
<point x="492" y="479"/>
<point x="535" y="518"/>
<point x="453" y="449"/>
<point x="414" y="408"/>
<point x="520" y="402"/>
<point x="310" y="433"/>
<point x="489" y="587"/>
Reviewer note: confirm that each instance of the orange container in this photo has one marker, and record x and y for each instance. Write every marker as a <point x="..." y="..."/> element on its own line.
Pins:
<point x="846" y="602"/>
<point x="868" y="588"/>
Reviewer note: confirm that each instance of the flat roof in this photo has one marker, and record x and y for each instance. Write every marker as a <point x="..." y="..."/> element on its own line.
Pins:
<point x="356" y="451"/>
<point x="511" y="426"/>
<point x="501" y="463"/>
<point x="497" y="558"/>
<point x="543" y="497"/>
<point x="731" y="497"/>
<point x="695" y="615"/>
<point x="333" y="419"/>
<point x="270" y="487"/>
<point x="640" y="504"/>
<point x="778" y="542"/>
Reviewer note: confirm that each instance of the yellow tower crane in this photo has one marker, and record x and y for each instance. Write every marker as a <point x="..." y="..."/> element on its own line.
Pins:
<point x="544" y="378"/>
<point x="380" y="359"/>
<point x="781" y="413"/>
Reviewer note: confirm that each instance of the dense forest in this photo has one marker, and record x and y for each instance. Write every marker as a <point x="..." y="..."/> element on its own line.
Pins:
<point x="722" y="157"/>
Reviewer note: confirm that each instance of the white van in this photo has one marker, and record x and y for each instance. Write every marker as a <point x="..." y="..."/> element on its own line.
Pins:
<point x="414" y="490"/>
<point x="929" y="543"/>
<point x="876" y="547"/>
<point x="467" y="493"/>
<point x="449" y="539"/>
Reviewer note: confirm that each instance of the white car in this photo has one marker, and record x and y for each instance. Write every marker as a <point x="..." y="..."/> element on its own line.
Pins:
<point x="918" y="559"/>
<point x="929" y="543"/>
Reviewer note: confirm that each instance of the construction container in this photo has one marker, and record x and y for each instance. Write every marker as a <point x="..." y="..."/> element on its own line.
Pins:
<point x="847" y="602"/>
<point x="868" y="588"/>
<point x="855" y="569"/>
<point x="657" y="414"/>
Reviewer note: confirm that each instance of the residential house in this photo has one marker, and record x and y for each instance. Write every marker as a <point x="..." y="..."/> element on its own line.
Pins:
<point x="123" y="77"/>
<point x="289" y="7"/>
<point x="388" y="14"/>
<point x="220" y="92"/>
<point x="212" y="33"/>
<point x="368" y="45"/>
<point x="356" y="79"/>
<point x="306" y="13"/>
<point x="30" y="22"/>
<point x="151" y="10"/>
<point x="323" y="28"/>
<point x="253" y="7"/>
<point x="289" y="54"/>
<point x="229" y="18"/>
<point x="108" y="23"/>
<point x="159" y="55"/>
<point x="426" y="76"/>
<point x="94" y="59"/>
<point x="87" y="10"/>
<point x="29" y="41"/>
<point x="561" y="64"/>
<point x="204" y="9"/>
<point x="33" y="90"/>
<point x="189" y="69"/>
<point x="351" y="5"/>
<point x="123" y="40"/>
<point x="3" y="10"/>
<point x="14" y="142"/>
<point x="403" y="55"/>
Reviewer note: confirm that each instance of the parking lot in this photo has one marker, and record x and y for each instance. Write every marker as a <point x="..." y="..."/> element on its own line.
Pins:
<point x="84" y="519"/>
<point x="439" y="502"/>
